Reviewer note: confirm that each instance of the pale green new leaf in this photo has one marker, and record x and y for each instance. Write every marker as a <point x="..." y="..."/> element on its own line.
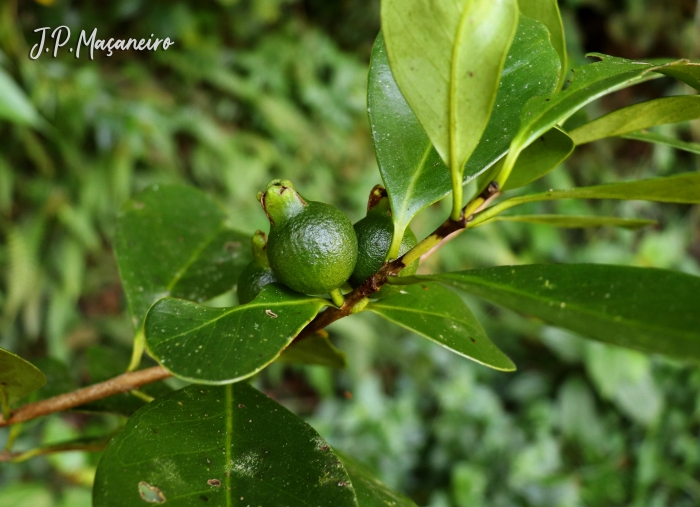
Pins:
<point x="639" y="117"/>
<point x="413" y="173"/>
<point x="447" y="57"/>
<point x="652" y="137"/>
<point x="652" y="310"/>
<point x="588" y="83"/>
<point x="547" y="13"/>
<point x="685" y="71"/>
<point x="441" y="316"/>
<point x="682" y="189"/>
<point x="573" y="221"/>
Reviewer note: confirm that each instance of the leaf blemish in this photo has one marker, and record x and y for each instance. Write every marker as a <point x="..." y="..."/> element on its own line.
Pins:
<point x="214" y="483"/>
<point x="150" y="494"/>
<point x="270" y="313"/>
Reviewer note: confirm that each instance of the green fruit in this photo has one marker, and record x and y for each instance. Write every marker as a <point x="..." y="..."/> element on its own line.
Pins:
<point x="312" y="247"/>
<point x="258" y="273"/>
<point x="374" y="236"/>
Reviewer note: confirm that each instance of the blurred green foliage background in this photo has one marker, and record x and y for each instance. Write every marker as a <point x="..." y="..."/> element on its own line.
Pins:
<point x="256" y="89"/>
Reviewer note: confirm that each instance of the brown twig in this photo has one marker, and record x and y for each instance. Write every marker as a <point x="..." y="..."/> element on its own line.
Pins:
<point x="116" y="385"/>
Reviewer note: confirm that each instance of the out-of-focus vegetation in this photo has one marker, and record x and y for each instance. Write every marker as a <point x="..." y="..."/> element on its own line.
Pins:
<point x="267" y="88"/>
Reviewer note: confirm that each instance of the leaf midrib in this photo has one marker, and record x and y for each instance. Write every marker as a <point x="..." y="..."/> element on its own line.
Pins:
<point x="570" y="306"/>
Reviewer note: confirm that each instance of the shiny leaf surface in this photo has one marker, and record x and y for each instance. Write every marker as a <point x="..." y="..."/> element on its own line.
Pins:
<point x="441" y="316"/>
<point x="221" y="345"/>
<point x="651" y="310"/>
<point x="174" y="241"/>
<point x="547" y="13"/>
<point x="227" y="446"/>
<point x="447" y="59"/>
<point x="413" y="173"/>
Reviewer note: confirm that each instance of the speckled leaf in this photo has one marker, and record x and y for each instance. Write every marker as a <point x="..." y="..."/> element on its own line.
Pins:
<point x="223" y="446"/>
<point x="18" y="377"/>
<point x="221" y="345"/>
<point x="652" y="137"/>
<point x="441" y="316"/>
<point x="652" y="310"/>
<point x="541" y="157"/>
<point x="370" y="491"/>
<point x="573" y="221"/>
<point x="447" y="58"/>
<point x="587" y="83"/>
<point x="175" y="241"/>
<point x="413" y="173"/>
<point x="316" y="349"/>
<point x="547" y="13"/>
<point x="638" y="117"/>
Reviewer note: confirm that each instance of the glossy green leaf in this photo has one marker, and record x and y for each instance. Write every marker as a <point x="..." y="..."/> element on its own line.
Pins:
<point x="572" y="221"/>
<point x="175" y="241"/>
<point x="18" y="377"/>
<point x="413" y="173"/>
<point x="14" y="104"/>
<point x="638" y="117"/>
<point x="370" y="491"/>
<point x="447" y="59"/>
<point x="317" y="350"/>
<point x="652" y="137"/>
<point x="223" y="446"/>
<point x="547" y="13"/>
<point x="441" y="316"/>
<point x="682" y="188"/>
<point x="652" y="310"/>
<point x="541" y="157"/>
<point x="588" y="83"/>
<point x="221" y="345"/>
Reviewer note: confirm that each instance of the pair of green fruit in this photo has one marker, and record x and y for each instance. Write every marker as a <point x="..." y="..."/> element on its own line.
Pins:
<point x="313" y="248"/>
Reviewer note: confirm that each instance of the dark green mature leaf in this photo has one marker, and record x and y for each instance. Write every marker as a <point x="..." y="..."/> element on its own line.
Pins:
<point x="18" y="377"/>
<point x="221" y="345"/>
<point x="413" y="173"/>
<point x="652" y="310"/>
<point x="547" y="13"/>
<point x="441" y="316"/>
<point x="14" y="104"/>
<point x="316" y="349"/>
<point x="588" y="83"/>
<point x="224" y="446"/>
<point x="174" y="241"/>
<point x="370" y="491"/>
<point x="638" y="117"/>
<point x="447" y="58"/>
<point x="573" y="221"/>
<point x="682" y="188"/>
<point x="652" y="137"/>
<point x="541" y="157"/>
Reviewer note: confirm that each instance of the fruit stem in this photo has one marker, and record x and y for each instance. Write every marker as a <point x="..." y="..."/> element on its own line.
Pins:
<point x="337" y="297"/>
<point x="359" y="306"/>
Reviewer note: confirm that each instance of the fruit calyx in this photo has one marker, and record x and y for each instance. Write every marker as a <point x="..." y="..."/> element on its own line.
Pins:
<point x="281" y="201"/>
